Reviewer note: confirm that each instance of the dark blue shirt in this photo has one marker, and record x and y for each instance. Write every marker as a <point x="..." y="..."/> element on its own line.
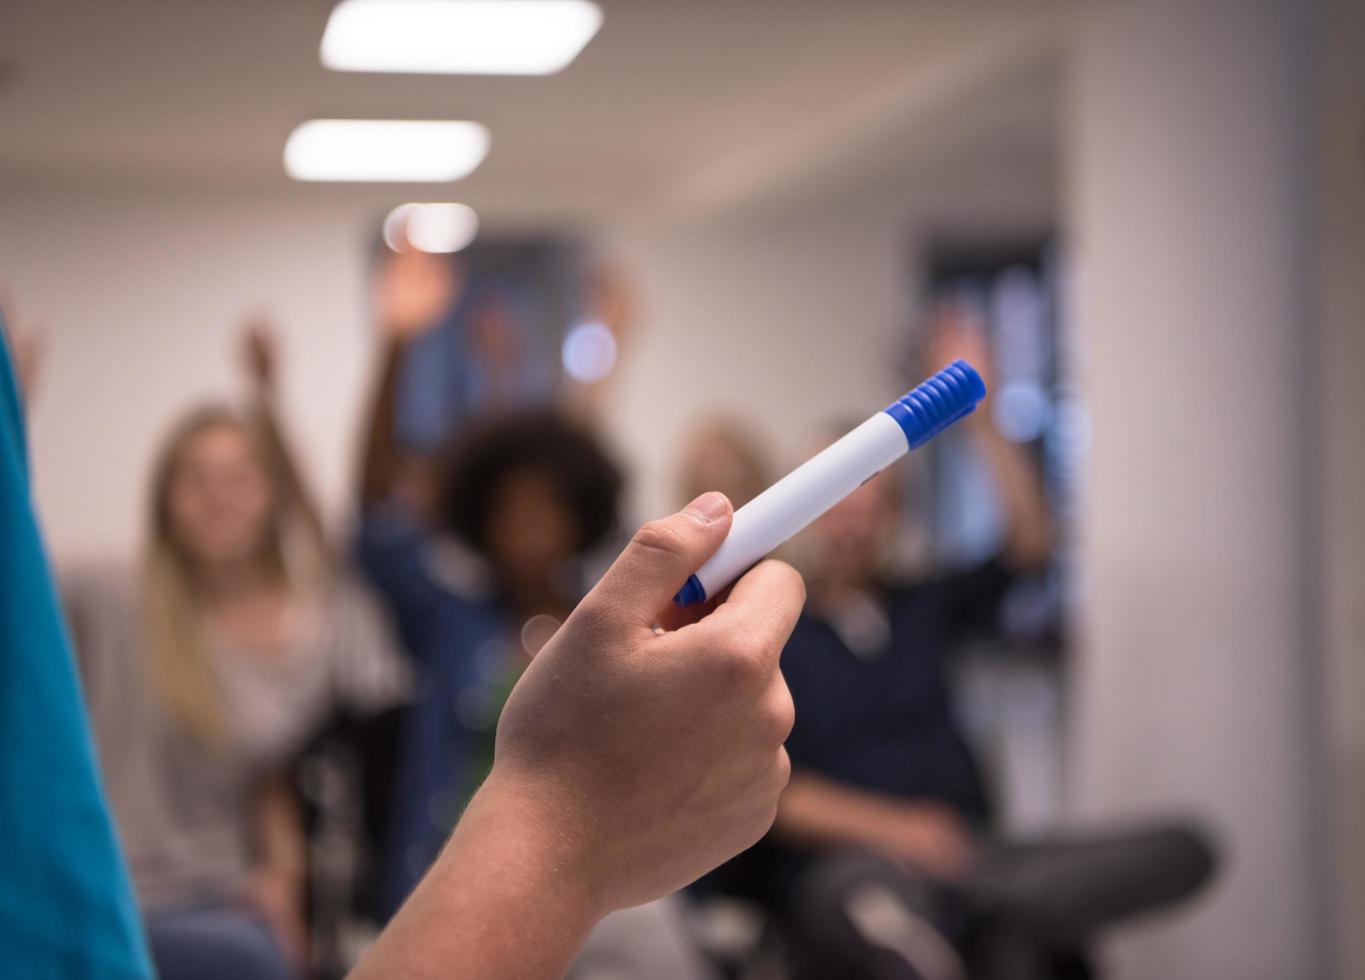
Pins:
<point x="880" y="719"/>
<point x="457" y="639"/>
<point x="883" y="720"/>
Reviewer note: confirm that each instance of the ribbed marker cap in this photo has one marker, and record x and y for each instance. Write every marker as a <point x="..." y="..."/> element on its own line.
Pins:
<point x="937" y="403"/>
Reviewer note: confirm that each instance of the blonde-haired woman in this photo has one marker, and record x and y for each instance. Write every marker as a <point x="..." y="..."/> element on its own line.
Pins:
<point x="205" y="674"/>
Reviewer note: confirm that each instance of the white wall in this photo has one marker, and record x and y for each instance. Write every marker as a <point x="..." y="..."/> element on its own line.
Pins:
<point x="1197" y="688"/>
<point x="142" y="294"/>
<point x="1340" y="452"/>
<point x="797" y="315"/>
<point x="792" y="315"/>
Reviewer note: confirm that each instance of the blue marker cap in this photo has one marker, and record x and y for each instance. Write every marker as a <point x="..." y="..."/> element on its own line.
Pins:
<point x="937" y="403"/>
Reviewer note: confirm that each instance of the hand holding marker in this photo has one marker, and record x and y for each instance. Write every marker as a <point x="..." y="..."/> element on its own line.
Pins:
<point x="822" y="481"/>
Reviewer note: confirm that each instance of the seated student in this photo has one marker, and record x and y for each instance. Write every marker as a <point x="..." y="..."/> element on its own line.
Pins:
<point x="886" y="818"/>
<point x="204" y="674"/>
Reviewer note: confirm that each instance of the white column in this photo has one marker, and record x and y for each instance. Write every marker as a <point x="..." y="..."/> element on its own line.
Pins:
<point x="1197" y="659"/>
<point x="1340" y="261"/>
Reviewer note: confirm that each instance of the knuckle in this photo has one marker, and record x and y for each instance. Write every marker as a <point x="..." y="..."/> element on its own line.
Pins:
<point x="786" y="578"/>
<point x="783" y="715"/>
<point x="783" y="769"/>
<point x="658" y="536"/>
<point x="757" y="652"/>
<point x="767" y="651"/>
<point x="758" y="821"/>
<point x="763" y="646"/>
<point x="746" y="648"/>
<point x="741" y="668"/>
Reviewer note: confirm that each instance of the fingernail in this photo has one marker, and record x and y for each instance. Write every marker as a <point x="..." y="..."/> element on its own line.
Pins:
<point x="710" y="506"/>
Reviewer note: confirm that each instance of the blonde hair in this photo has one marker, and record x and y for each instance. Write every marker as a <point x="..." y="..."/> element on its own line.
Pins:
<point x="177" y="660"/>
<point x="752" y="469"/>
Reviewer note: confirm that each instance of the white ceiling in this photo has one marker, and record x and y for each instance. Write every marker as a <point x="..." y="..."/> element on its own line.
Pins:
<point x="676" y="103"/>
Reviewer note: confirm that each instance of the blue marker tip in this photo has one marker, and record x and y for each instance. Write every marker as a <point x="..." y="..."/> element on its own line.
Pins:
<point x="938" y="402"/>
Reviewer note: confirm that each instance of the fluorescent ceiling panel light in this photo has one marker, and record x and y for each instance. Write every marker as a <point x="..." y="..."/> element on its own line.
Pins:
<point x="458" y="37"/>
<point x="384" y="149"/>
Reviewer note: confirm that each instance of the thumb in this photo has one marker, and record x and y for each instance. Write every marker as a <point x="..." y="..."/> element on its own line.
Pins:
<point x="659" y="558"/>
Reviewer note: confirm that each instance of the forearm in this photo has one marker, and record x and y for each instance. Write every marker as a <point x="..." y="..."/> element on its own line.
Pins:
<point x="278" y="830"/>
<point x="1028" y="521"/>
<point x="508" y="897"/>
<point x="819" y="811"/>
<point x="295" y="487"/>
<point x="381" y="450"/>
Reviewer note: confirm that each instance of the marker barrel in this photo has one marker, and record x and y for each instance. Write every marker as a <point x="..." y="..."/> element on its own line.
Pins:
<point x="815" y="486"/>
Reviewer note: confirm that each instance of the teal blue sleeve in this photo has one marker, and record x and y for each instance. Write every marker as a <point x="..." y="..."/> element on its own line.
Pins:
<point x="66" y="905"/>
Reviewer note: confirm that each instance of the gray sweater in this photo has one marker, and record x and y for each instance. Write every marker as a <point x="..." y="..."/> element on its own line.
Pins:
<point x="183" y="809"/>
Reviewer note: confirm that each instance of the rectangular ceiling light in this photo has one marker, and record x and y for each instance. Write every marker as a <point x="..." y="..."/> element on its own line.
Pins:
<point x="384" y="149"/>
<point x="470" y="37"/>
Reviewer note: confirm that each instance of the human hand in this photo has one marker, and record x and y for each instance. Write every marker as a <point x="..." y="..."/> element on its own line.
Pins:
<point x="629" y="761"/>
<point x="956" y="333"/>
<point x="654" y="756"/>
<point x="612" y="301"/>
<point x="496" y="339"/>
<point x="259" y="353"/>
<point x="277" y="897"/>
<point x="412" y="290"/>
<point x="929" y="837"/>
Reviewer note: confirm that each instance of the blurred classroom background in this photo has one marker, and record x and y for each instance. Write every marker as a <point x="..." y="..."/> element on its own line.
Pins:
<point x="1152" y="212"/>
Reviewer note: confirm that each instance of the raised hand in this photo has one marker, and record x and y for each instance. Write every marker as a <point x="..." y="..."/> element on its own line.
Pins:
<point x="259" y="353"/>
<point x="412" y="291"/>
<point x="957" y="333"/>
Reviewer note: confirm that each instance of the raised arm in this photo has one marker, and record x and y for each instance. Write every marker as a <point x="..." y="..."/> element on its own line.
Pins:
<point x="260" y="361"/>
<point x="411" y="291"/>
<point x="379" y="464"/>
<point x="1028" y="521"/>
<point x="629" y="761"/>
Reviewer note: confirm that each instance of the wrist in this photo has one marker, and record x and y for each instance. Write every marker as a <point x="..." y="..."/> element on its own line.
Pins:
<point x="510" y="896"/>
<point x="521" y="842"/>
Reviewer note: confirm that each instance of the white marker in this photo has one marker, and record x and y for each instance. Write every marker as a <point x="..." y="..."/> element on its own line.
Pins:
<point x="819" y="483"/>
